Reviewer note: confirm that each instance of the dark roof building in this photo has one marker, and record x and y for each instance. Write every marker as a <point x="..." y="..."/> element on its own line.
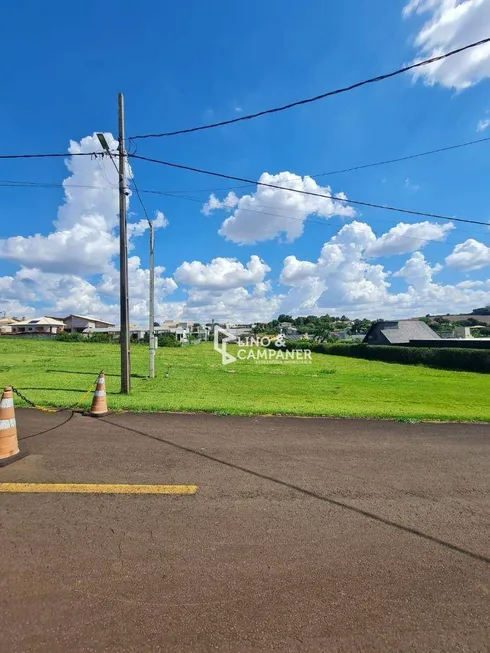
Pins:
<point x="400" y="332"/>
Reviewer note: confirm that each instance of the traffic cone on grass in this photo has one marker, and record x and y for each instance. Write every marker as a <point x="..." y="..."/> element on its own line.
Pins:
<point x="9" y="445"/>
<point x="99" y="402"/>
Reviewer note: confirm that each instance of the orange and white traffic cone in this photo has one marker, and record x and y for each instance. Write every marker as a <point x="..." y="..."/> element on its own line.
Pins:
<point x="9" y="445"/>
<point x="99" y="402"/>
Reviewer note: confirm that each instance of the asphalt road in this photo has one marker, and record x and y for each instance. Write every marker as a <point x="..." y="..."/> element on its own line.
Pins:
<point x="304" y="535"/>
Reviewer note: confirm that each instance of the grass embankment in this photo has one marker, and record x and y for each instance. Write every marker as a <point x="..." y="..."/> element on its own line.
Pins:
<point x="54" y="373"/>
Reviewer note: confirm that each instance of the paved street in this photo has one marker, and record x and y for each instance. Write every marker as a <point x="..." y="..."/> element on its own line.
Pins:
<point x="303" y="535"/>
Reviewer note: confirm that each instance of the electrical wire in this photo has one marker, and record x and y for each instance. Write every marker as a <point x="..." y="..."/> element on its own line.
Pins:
<point x="401" y="158"/>
<point x="353" y="168"/>
<point x="140" y="200"/>
<point x="95" y="155"/>
<point x="223" y="188"/>
<point x="338" y="91"/>
<point x="330" y="224"/>
<point x="22" y="184"/>
<point x="384" y="207"/>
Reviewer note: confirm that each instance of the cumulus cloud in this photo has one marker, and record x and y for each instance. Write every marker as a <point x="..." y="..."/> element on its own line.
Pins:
<point x="270" y="212"/>
<point x="139" y="281"/>
<point x="57" y="294"/>
<point x="222" y="273"/>
<point x="82" y="249"/>
<point x="226" y="289"/>
<point x="239" y="305"/>
<point x="340" y="276"/>
<point x="470" y="284"/>
<point x="417" y="272"/>
<point x="470" y="255"/>
<point x="405" y="238"/>
<point x="452" y="24"/>
<point x="83" y="241"/>
<point x="343" y="281"/>
<point x="213" y="203"/>
<point x="136" y="229"/>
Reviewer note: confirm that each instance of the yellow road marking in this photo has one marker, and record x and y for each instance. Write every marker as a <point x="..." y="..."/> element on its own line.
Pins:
<point x="97" y="488"/>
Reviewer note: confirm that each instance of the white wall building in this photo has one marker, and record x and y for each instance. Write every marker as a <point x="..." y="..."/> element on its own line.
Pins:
<point x="38" y="326"/>
<point x="78" y="323"/>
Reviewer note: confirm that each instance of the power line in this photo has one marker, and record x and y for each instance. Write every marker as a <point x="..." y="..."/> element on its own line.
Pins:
<point x="353" y="168"/>
<point x="402" y="158"/>
<point x="338" y="91"/>
<point x="211" y="190"/>
<point x="27" y="184"/>
<point x="323" y="223"/>
<point x="435" y="216"/>
<point x="140" y="200"/>
<point x="95" y="155"/>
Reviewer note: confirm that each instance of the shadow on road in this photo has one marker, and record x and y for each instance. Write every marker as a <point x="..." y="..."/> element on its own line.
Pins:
<point x="314" y="495"/>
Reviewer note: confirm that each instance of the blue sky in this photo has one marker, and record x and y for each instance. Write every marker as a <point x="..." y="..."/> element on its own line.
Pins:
<point x="203" y="62"/>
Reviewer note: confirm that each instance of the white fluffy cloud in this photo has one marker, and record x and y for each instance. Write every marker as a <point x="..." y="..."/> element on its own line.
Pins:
<point x="341" y="281"/>
<point x="81" y="249"/>
<point x="470" y="255"/>
<point x="57" y="294"/>
<point x="139" y="280"/>
<point x="238" y="305"/>
<point x="340" y="276"/>
<point x="417" y="272"/>
<point x="222" y="273"/>
<point x="213" y="203"/>
<point x="405" y="238"/>
<point x="226" y="289"/>
<point x="269" y="213"/>
<point x="83" y="241"/>
<point x="136" y="229"/>
<point x="452" y="24"/>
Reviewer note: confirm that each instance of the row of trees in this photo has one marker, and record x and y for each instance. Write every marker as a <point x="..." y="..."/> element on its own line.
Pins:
<point x="323" y="327"/>
<point x="320" y="327"/>
<point x="441" y="324"/>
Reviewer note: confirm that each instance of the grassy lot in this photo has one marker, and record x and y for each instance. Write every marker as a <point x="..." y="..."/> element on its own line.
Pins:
<point x="57" y="373"/>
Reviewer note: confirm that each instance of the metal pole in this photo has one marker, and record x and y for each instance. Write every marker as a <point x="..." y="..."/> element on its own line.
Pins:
<point x="123" y="257"/>
<point x="152" y="302"/>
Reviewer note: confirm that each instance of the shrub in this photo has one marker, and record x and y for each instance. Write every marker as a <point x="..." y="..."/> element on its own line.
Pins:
<point x="446" y="358"/>
<point x="449" y="358"/>
<point x="64" y="336"/>
<point x="168" y="340"/>
<point x="101" y="337"/>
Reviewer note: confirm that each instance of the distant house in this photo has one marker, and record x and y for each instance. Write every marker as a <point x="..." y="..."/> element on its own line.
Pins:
<point x="6" y="324"/>
<point x="78" y="323"/>
<point x="401" y="332"/>
<point x="239" y="330"/>
<point x="38" y="326"/>
<point x="201" y="332"/>
<point x="289" y="330"/>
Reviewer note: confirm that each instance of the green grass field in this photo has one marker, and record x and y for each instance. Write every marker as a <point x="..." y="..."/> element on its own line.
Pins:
<point x="54" y="373"/>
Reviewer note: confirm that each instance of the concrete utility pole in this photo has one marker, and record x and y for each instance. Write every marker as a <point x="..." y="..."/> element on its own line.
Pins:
<point x="123" y="257"/>
<point x="151" y="331"/>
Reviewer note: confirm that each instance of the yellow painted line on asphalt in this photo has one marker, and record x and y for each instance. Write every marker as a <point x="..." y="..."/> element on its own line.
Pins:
<point x="97" y="488"/>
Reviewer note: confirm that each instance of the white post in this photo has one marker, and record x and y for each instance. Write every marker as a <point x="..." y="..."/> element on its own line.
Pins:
<point x="152" y="302"/>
